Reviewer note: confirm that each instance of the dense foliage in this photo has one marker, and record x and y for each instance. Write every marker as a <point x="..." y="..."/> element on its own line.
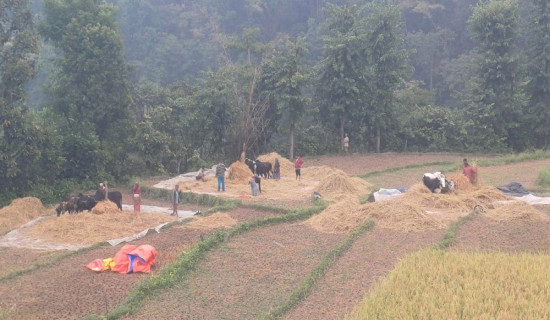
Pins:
<point x="148" y="86"/>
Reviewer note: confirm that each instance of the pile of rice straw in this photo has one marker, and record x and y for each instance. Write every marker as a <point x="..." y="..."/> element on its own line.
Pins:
<point x="21" y="211"/>
<point x="86" y="228"/>
<point x="409" y="212"/>
<point x="215" y="221"/>
<point x="461" y="181"/>
<point x="339" y="182"/>
<point x="239" y="172"/>
<point x="106" y="206"/>
<point x="287" y="166"/>
<point x="515" y="210"/>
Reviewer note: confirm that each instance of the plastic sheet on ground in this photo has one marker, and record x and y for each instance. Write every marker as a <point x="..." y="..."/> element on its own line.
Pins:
<point x="190" y="176"/>
<point x="16" y="239"/>
<point x="532" y="199"/>
<point x="514" y="189"/>
<point x="384" y="194"/>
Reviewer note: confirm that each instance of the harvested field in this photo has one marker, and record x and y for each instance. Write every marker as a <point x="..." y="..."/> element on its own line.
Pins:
<point x="247" y="276"/>
<point x="257" y="270"/>
<point x="369" y="260"/>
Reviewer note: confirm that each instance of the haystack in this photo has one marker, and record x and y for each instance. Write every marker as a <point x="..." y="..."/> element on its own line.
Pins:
<point x="287" y="167"/>
<point x="215" y="221"/>
<point x="341" y="217"/>
<point x="86" y="229"/>
<point x="339" y="182"/>
<point x="515" y="210"/>
<point x="19" y="212"/>
<point x="105" y="207"/>
<point x="239" y="172"/>
<point x="461" y="181"/>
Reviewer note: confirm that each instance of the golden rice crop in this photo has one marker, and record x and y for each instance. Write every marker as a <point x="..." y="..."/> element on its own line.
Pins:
<point x="434" y="284"/>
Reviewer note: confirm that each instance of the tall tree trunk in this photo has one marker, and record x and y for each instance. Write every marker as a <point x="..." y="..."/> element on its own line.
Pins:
<point x="243" y="154"/>
<point x="292" y="141"/>
<point x="377" y="140"/>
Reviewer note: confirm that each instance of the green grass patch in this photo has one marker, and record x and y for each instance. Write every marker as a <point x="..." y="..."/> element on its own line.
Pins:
<point x="450" y="234"/>
<point x="320" y="270"/>
<point x="439" y="284"/>
<point x="187" y="261"/>
<point x="410" y="166"/>
<point x="543" y="178"/>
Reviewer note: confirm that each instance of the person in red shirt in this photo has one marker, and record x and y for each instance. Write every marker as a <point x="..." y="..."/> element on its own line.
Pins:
<point x="298" y="166"/>
<point x="469" y="171"/>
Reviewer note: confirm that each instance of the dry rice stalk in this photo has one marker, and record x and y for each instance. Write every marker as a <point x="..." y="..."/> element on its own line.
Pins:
<point x="515" y="210"/>
<point x="461" y="181"/>
<point x="339" y="182"/>
<point x="106" y="206"/>
<point x="287" y="166"/>
<point x="21" y="211"/>
<point x="215" y="221"/>
<point x="86" y="229"/>
<point x="239" y="172"/>
<point x="397" y="215"/>
<point x="341" y="217"/>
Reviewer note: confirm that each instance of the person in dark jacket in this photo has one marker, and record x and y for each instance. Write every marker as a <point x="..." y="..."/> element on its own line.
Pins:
<point x="220" y="173"/>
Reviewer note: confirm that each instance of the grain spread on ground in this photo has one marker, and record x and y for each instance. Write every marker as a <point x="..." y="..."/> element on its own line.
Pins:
<point x="86" y="228"/>
<point x="21" y="211"/>
<point x="287" y="166"/>
<point x="515" y="210"/>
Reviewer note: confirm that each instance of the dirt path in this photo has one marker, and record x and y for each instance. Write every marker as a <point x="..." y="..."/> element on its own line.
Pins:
<point x="68" y="290"/>
<point x="370" y="259"/>
<point x="247" y="276"/>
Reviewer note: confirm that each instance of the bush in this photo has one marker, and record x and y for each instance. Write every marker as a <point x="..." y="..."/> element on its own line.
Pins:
<point x="543" y="177"/>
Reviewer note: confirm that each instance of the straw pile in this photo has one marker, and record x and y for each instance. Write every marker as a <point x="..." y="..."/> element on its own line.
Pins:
<point x="287" y="166"/>
<point x="409" y="212"/>
<point x="19" y="212"/>
<point x="461" y="182"/>
<point x="239" y="172"/>
<point x="87" y="229"/>
<point x="215" y="221"/>
<point x="339" y="182"/>
<point x="105" y="207"/>
<point x="515" y="210"/>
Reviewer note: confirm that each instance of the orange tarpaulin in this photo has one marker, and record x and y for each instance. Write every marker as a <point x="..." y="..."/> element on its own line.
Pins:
<point x="131" y="258"/>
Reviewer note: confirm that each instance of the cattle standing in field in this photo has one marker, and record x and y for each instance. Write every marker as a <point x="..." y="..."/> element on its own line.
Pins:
<point x="67" y="206"/>
<point x="262" y="169"/>
<point x="114" y="196"/>
<point x="437" y="183"/>
<point x="85" y="203"/>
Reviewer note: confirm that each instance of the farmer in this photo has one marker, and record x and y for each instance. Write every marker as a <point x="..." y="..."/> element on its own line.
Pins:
<point x="469" y="171"/>
<point x="276" y="169"/>
<point x="220" y="173"/>
<point x="253" y="186"/>
<point x="136" y="191"/>
<point x="201" y="175"/>
<point x="101" y="192"/>
<point x="298" y="166"/>
<point x="346" y="144"/>
<point x="175" y="200"/>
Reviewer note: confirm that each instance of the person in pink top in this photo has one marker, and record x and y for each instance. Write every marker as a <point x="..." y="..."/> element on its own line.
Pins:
<point x="298" y="166"/>
<point x="469" y="171"/>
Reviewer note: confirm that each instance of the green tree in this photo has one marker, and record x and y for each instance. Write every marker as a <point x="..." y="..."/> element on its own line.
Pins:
<point x="495" y="107"/>
<point x="90" y="90"/>
<point x="20" y="136"/>
<point x="286" y="77"/>
<point x="388" y="65"/>
<point x="538" y="85"/>
<point x="342" y="72"/>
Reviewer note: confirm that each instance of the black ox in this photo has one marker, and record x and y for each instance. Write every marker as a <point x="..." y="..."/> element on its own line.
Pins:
<point x="262" y="169"/>
<point x="114" y="196"/>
